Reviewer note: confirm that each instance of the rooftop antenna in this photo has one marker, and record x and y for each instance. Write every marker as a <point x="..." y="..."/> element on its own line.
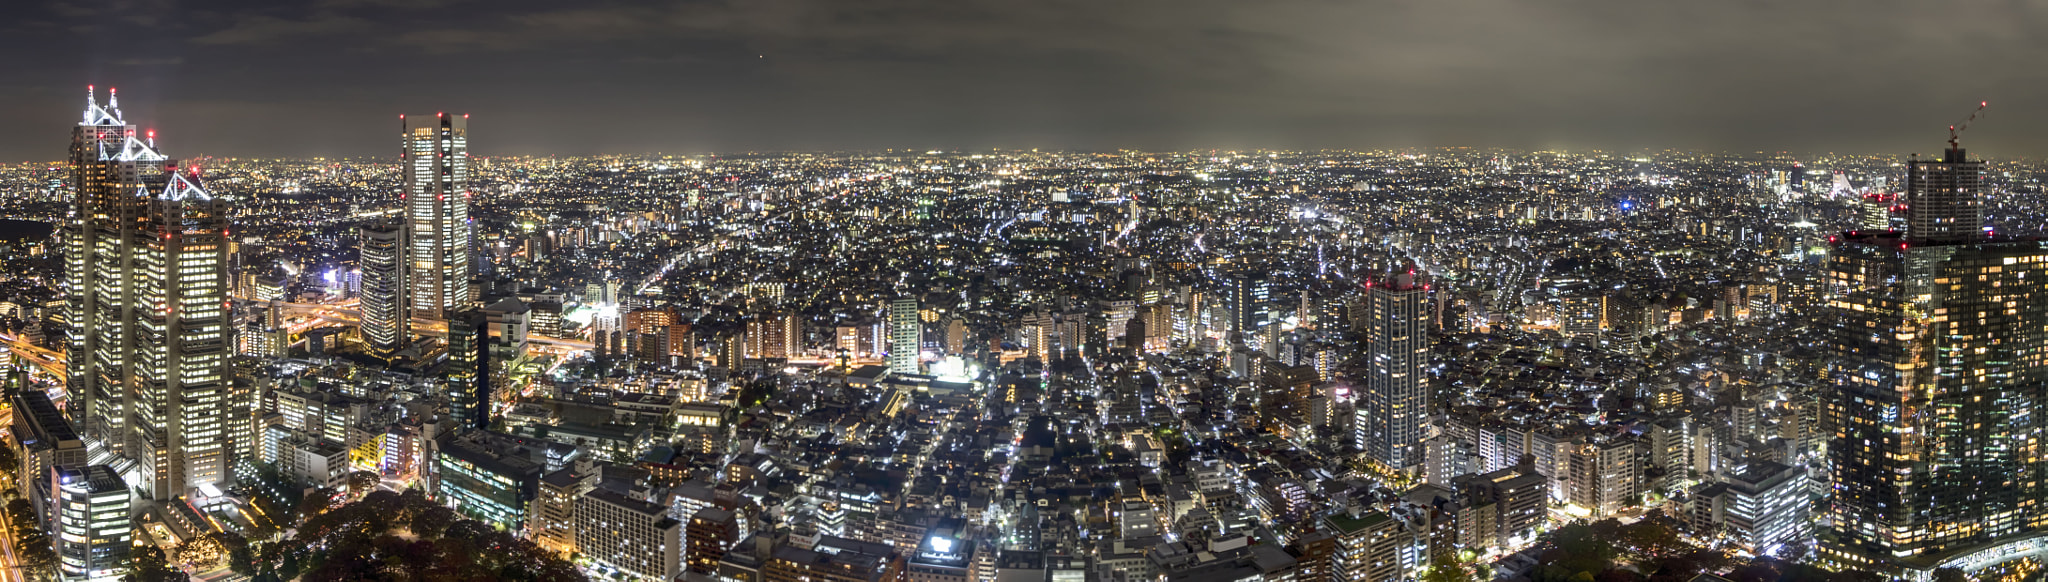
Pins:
<point x="1955" y="133"/>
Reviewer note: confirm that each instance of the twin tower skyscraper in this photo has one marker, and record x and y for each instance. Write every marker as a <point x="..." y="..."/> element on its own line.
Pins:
<point x="148" y="304"/>
<point x="146" y="300"/>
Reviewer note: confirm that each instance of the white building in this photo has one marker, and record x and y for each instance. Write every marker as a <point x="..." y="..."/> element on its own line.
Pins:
<point x="636" y="537"/>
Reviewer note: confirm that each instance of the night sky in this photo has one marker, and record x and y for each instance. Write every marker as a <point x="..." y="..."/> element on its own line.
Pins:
<point x="243" y="78"/>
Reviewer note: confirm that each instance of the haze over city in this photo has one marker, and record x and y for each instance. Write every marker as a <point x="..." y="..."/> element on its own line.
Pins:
<point x="703" y="76"/>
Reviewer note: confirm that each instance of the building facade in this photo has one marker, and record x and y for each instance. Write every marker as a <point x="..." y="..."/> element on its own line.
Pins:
<point x="385" y="324"/>
<point x="437" y="228"/>
<point x="148" y="285"/>
<point x="1937" y="372"/>
<point x="635" y="536"/>
<point x="906" y="336"/>
<point x="91" y="521"/>
<point x="1393" y="408"/>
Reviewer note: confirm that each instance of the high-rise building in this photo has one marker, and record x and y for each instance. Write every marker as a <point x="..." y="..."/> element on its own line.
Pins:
<point x="149" y="278"/>
<point x="1246" y="299"/>
<point x="1944" y="200"/>
<point x="382" y="261"/>
<point x="437" y="228"/>
<point x="1876" y="212"/>
<point x="469" y="369"/>
<point x="1394" y="403"/>
<point x="90" y="517"/>
<point x="906" y="336"/>
<point x="776" y="334"/>
<point x="1761" y="507"/>
<point x="1581" y="315"/>
<point x="1937" y="375"/>
<point x="179" y="388"/>
<point x="109" y="163"/>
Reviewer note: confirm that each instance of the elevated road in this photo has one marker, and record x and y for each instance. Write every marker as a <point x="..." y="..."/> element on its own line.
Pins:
<point x="48" y="360"/>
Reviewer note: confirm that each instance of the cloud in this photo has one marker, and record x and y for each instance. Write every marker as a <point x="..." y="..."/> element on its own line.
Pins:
<point x="149" y="61"/>
<point x="257" y="30"/>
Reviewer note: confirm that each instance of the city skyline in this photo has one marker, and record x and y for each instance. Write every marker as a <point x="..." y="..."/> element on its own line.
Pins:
<point x="1060" y="360"/>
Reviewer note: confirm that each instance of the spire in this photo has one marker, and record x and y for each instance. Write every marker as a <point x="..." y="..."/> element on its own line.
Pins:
<point x="96" y="115"/>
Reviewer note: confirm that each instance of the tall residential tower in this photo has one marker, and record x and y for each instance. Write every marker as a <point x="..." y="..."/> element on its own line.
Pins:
<point x="1937" y="372"/>
<point x="1393" y="405"/>
<point x="906" y="336"/>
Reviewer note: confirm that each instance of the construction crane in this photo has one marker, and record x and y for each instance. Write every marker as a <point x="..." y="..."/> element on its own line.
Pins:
<point x="1955" y="134"/>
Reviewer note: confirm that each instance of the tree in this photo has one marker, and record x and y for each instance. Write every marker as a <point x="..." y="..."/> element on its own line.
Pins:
<point x="38" y="559"/>
<point x="203" y="553"/>
<point x="1445" y="567"/>
<point x="361" y="483"/>
<point x="146" y="563"/>
<point x="315" y="502"/>
<point x="1950" y="575"/>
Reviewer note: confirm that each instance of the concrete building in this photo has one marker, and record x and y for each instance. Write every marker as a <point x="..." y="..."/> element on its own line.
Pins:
<point x="636" y="537"/>
<point x="90" y="522"/>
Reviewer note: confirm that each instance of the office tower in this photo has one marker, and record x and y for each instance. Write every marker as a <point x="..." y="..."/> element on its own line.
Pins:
<point x="490" y="477"/>
<point x="1394" y="402"/>
<point x="906" y="336"/>
<point x="1876" y="212"/>
<point x="180" y="396"/>
<point x="1372" y="547"/>
<point x="1761" y="507"/>
<point x="149" y="279"/>
<point x="91" y="522"/>
<point x="108" y="165"/>
<point x="382" y="261"/>
<point x="1936" y="379"/>
<point x="469" y="369"/>
<point x="437" y="229"/>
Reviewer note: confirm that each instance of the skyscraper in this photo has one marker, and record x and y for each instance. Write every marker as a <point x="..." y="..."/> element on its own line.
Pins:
<point x="179" y="391"/>
<point x="437" y="229"/>
<point x="1944" y="200"/>
<point x="469" y="368"/>
<point x="147" y="284"/>
<point x="107" y="164"/>
<point x="906" y="336"/>
<point x="1937" y="371"/>
<point x="1394" y="403"/>
<point x="383" y="305"/>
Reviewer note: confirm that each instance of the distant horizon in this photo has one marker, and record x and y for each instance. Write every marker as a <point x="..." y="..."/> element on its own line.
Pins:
<point x="173" y="153"/>
<point x="328" y="79"/>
